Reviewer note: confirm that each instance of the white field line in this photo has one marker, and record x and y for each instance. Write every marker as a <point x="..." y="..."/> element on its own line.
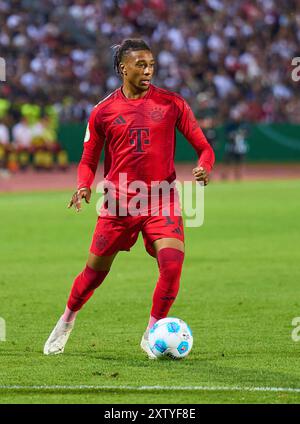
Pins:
<point x="155" y="388"/>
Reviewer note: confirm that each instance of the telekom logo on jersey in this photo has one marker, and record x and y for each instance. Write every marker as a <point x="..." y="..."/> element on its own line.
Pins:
<point x="138" y="137"/>
<point x="161" y="198"/>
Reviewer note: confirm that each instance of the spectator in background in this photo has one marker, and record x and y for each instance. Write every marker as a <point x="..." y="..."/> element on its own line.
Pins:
<point x="22" y="133"/>
<point x="4" y="141"/>
<point x="45" y="147"/>
<point x="207" y="110"/>
<point x="4" y="133"/>
<point x="236" y="147"/>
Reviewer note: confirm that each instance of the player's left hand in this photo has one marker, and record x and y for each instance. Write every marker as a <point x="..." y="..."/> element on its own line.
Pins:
<point x="201" y="175"/>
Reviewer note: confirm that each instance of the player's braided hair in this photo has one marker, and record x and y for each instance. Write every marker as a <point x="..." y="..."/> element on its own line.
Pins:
<point x="120" y="50"/>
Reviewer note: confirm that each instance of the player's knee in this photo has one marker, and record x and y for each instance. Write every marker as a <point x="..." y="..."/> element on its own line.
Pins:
<point x="100" y="263"/>
<point x="170" y="262"/>
<point x="93" y="278"/>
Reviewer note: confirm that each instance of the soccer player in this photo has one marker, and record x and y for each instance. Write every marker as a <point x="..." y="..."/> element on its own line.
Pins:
<point x="136" y="126"/>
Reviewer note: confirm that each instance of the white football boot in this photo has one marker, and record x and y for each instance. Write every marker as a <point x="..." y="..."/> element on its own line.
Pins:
<point x="58" y="338"/>
<point x="145" y="346"/>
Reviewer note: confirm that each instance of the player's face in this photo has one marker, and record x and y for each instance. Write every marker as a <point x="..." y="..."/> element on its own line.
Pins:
<point x="138" y="68"/>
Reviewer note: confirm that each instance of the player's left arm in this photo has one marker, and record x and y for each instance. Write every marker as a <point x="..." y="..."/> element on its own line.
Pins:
<point x="188" y="126"/>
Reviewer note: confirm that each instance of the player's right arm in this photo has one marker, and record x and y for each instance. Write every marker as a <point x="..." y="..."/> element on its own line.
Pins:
<point x="92" y="147"/>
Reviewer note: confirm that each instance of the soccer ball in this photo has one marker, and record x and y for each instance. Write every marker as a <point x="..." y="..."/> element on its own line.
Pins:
<point x="170" y="337"/>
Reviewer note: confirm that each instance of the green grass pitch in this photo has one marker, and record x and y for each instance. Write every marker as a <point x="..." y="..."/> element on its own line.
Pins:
<point x="239" y="293"/>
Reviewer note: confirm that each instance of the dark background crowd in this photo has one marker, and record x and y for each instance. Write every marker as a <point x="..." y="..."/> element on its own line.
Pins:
<point x="230" y="59"/>
<point x="227" y="58"/>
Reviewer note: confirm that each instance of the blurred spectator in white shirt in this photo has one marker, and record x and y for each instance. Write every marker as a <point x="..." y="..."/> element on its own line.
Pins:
<point x="4" y="134"/>
<point x="22" y="134"/>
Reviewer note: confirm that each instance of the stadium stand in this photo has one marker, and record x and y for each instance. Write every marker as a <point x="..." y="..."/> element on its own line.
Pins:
<point x="227" y="58"/>
<point x="231" y="60"/>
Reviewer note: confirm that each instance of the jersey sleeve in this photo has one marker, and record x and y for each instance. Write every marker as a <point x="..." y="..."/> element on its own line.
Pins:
<point x="92" y="147"/>
<point x="188" y="126"/>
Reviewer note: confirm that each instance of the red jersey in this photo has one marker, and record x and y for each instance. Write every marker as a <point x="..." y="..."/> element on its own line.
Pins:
<point x="139" y="136"/>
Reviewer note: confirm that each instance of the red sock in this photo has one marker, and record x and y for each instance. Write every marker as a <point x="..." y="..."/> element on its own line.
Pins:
<point x="151" y="322"/>
<point x="84" y="286"/>
<point x="170" y="264"/>
<point x="68" y="315"/>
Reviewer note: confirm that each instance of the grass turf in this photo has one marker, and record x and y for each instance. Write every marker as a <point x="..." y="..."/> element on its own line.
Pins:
<point x="239" y="293"/>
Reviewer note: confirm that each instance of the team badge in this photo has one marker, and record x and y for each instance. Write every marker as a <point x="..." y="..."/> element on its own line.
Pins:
<point x="157" y="114"/>
<point x="101" y="241"/>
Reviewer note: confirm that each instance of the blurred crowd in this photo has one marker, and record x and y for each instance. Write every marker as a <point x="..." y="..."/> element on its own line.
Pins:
<point x="228" y="58"/>
<point x="30" y="142"/>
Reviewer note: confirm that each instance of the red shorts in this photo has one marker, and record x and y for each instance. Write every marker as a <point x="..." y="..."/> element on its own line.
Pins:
<point x="114" y="233"/>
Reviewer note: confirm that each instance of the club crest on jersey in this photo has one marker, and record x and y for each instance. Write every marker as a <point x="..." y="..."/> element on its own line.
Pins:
<point x="157" y="114"/>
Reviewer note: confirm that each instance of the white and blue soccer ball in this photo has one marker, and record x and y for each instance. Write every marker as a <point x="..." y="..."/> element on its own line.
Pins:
<point x="170" y="337"/>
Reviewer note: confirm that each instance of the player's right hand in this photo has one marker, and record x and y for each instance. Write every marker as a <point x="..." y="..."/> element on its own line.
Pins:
<point x="201" y="175"/>
<point x="82" y="193"/>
